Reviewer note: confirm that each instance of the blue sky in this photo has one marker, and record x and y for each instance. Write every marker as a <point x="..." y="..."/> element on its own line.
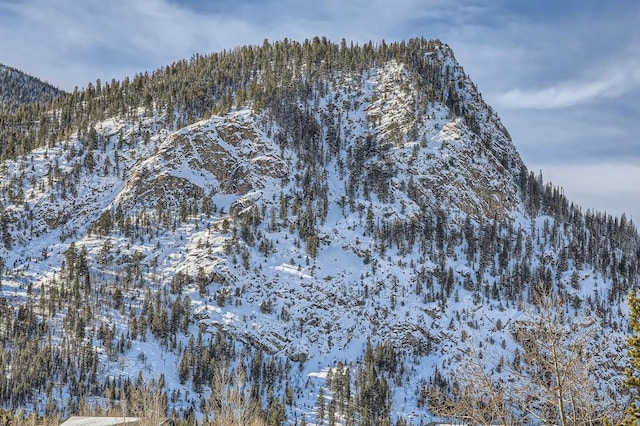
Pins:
<point x="564" y="75"/>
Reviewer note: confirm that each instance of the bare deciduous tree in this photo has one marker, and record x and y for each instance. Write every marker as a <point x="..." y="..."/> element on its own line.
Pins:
<point x="230" y="402"/>
<point x="477" y="396"/>
<point x="149" y="403"/>
<point x="553" y="381"/>
<point x="144" y="400"/>
<point x="557" y="373"/>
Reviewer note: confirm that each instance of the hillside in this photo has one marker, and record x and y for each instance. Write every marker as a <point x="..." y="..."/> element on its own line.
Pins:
<point x="18" y="88"/>
<point x="333" y="224"/>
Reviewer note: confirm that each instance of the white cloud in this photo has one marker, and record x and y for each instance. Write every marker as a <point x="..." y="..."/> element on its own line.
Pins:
<point x="618" y="79"/>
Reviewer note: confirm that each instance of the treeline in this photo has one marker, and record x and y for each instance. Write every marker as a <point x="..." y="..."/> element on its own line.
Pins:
<point x="110" y="300"/>
<point x="189" y="90"/>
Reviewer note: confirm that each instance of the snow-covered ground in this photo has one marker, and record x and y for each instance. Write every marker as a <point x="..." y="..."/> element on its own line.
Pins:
<point x="263" y="285"/>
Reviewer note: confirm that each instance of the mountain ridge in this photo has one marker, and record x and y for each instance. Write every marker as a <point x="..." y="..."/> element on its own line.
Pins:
<point x="359" y="195"/>
<point x="17" y="87"/>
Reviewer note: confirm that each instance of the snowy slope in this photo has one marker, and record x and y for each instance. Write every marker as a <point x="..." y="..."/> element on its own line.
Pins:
<point x="385" y="219"/>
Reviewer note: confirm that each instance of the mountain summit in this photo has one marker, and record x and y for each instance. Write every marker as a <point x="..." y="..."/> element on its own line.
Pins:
<point x="330" y="224"/>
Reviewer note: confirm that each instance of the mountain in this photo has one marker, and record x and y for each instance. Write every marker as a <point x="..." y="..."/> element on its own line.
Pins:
<point x="331" y="225"/>
<point x="18" y="88"/>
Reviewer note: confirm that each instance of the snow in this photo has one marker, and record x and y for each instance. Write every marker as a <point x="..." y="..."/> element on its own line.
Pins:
<point x="349" y="292"/>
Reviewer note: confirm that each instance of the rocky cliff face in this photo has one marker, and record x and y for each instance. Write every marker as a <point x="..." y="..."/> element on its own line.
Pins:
<point x="380" y="203"/>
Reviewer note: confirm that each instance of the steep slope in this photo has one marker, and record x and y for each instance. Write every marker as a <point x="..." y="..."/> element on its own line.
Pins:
<point x="18" y="88"/>
<point x="361" y="204"/>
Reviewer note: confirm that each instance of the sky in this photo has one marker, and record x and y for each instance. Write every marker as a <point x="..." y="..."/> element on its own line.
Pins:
<point x="563" y="75"/>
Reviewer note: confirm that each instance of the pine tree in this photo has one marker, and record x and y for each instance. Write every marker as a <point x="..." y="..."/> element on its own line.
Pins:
<point x="320" y="404"/>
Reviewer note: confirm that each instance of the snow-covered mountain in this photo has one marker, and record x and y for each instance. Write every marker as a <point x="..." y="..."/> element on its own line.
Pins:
<point x="18" y="88"/>
<point x="287" y="209"/>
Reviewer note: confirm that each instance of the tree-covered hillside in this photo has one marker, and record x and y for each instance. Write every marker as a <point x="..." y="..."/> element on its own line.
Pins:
<point x="17" y="88"/>
<point x="314" y="232"/>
